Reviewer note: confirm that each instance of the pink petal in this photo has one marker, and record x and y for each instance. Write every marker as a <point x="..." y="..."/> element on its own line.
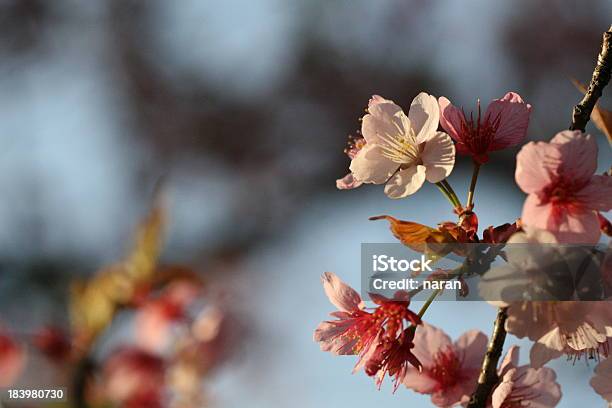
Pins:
<point x="328" y="335"/>
<point x="579" y="155"/>
<point x="547" y="348"/>
<point x="340" y="294"/>
<point x="405" y="182"/>
<point x="384" y="120"/>
<point x="602" y="380"/>
<point x="428" y="341"/>
<point x="569" y="226"/>
<point x="473" y="345"/>
<point x="576" y="227"/>
<point x="424" y="115"/>
<point x="536" y="166"/>
<point x="438" y="157"/>
<point x="371" y="166"/>
<point x="597" y="195"/>
<point x="451" y="118"/>
<point x="419" y="382"/>
<point x="511" y="360"/>
<point x="544" y="392"/>
<point x="501" y="392"/>
<point x="536" y="215"/>
<point x="347" y="182"/>
<point x="513" y="116"/>
<point x="12" y="360"/>
<point x="457" y="394"/>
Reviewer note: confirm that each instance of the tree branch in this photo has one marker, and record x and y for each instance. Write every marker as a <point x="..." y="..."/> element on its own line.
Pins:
<point x="599" y="80"/>
<point x="488" y="373"/>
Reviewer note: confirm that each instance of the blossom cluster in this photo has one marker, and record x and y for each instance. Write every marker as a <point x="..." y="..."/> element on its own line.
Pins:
<point x="565" y="204"/>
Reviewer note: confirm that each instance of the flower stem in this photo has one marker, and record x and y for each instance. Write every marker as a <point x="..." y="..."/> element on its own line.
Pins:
<point x="488" y="373"/>
<point x="428" y="302"/>
<point x="470" y="197"/>
<point x="448" y="192"/>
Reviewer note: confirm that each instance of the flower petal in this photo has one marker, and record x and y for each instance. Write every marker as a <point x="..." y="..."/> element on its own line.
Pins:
<point x="385" y="120"/>
<point x="438" y="157"/>
<point x="602" y="380"/>
<point x="513" y="116"/>
<point x="419" y="382"/>
<point x="511" y="360"/>
<point x="371" y="166"/>
<point x="548" y="347"/>
<point x="579" y="155"/>
<point x="348" y="182"/>
<point x="536" y="166"/>
<point x="405" y="182"/>
<point x="428" y="340"/>
<point x="424" y="115"/>
<point x="340" y="294"/>
<point x="451" y="118"/>
<point x="597" y="195"/>
<point x="473" y="344"/>
<point x="501" y="392"/>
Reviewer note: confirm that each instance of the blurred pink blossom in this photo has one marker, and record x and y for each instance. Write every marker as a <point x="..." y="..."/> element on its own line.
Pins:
<point x="134" y="378"/>
<point x="564" y="194"/>
<point x="450" y="370"/>
<point x="156" y="316"/>
<point x="12" y="360"/>
<point x="503" y="125"/>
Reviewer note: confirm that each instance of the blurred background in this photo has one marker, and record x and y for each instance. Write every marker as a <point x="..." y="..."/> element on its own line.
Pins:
<point x="243" y="108"/>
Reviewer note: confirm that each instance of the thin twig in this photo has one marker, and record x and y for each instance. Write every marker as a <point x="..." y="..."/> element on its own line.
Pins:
<point x="488" y="373"/>
<point x="599" y="80"/>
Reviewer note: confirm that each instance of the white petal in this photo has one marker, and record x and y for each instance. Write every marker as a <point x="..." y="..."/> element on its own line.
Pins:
<point x="405" y="182"/>
<point x="371" y="166"/>
<point x="438" y="157"/>
<point x="385" y="120"/>
<point x="424" y="116"/>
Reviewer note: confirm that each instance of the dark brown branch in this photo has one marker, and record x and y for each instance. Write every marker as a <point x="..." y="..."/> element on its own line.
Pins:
<point x="488" y="373"/>
<point x="599" y="80"/>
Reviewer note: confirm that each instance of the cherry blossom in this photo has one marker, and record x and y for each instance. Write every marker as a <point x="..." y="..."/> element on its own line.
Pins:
<point x="525" y="386"/>
<point x="381" y="338"/>
<point x="576" y="328"/>
<point x="564" y="194"/>
<point x="450" y="370"/>
<point x="12" y="360"/>
<point x="399" y="150"/>
<point x="134" y="378"/>
<point x="503" y="125"/>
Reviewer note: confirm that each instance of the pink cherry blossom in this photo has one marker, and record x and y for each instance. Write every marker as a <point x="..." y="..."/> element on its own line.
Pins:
<point x="504" y="125"/>
<point x="381" y="338"/>
<point x="564" y="194"/>
<point x="450" y="370"/>
<point x="12" y="360"/>
<point x="398" y="150"/>
<point x="602" y="380"/>
<point x="524" y="385"/>
<point x="134" y="378"/>
<point x="575" y="328"/>
<point x="157" y="315"/>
